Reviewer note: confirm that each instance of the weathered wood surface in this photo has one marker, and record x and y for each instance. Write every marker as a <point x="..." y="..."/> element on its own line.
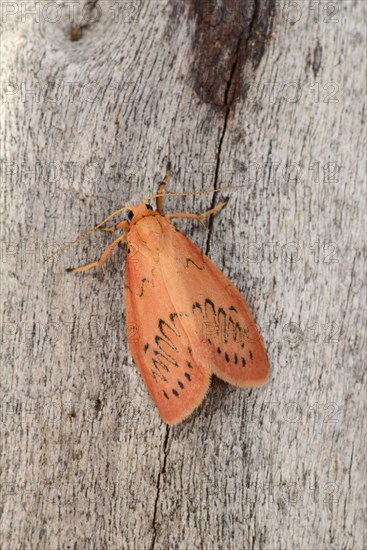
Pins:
<point x="96" y="98"/>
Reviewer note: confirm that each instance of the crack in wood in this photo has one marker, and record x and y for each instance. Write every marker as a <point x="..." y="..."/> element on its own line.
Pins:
<point x="220" y="145"/>
<point x="250" y="35"/>
<point x="161" y="473"/>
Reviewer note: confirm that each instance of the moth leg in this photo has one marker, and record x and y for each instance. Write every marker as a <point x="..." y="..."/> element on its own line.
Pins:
<point x="199" y="217"/>
<point x="100" y="263"/>
<point x="120" y="225"/>
<point x="162" y="185"/>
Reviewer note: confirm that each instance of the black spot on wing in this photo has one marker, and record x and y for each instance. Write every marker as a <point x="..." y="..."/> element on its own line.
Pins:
<point x="146" y="348"/>
<point x="240" y="334"/>
<point x="180" y="384"/>
<point x="188" y="376"/>
<point x="175" y="392"/>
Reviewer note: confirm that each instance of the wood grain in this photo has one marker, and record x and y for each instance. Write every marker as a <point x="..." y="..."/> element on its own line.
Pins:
<point x="96" y="98"/>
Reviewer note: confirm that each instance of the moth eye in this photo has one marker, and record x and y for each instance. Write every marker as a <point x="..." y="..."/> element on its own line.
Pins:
<point x="149" y="207"/>
<point x="130" y="215"/>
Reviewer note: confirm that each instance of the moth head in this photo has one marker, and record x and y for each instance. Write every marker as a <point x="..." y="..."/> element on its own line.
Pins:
<point x="139" y="211"/>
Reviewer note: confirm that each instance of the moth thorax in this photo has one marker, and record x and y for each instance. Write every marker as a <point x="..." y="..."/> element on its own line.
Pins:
<point x="149" y="231"/>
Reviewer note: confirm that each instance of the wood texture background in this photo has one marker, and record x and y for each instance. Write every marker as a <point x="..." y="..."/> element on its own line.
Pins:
<point x="96" y="98"/>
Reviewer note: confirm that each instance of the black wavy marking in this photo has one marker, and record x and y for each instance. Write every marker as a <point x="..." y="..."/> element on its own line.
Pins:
<point x="167" y="348"/>
<point x="227" y="327"/>
<point x="145" y="280"/>
<point x="189" y="260"/>
<point x="164" y="358"/>
<point x="141" y="292"/>
<point x="162" y="324"/>
<point x="165" y="352"/>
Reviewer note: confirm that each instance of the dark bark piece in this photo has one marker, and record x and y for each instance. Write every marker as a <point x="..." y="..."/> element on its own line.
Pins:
<point x="228" y="35"/>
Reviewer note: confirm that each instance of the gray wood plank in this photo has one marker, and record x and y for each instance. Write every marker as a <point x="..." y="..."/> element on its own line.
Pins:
<point x="95" y="102"/>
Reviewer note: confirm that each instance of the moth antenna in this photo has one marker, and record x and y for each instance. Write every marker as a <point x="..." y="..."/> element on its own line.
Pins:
<point x="206" y="192"/>
<point x="67" y="245"/>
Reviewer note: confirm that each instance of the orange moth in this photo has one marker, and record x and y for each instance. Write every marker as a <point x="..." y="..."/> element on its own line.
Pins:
<point x="186" y="321"/>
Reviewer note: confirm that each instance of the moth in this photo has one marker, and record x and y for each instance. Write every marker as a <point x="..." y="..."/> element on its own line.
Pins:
<point x="186" y="321"/>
